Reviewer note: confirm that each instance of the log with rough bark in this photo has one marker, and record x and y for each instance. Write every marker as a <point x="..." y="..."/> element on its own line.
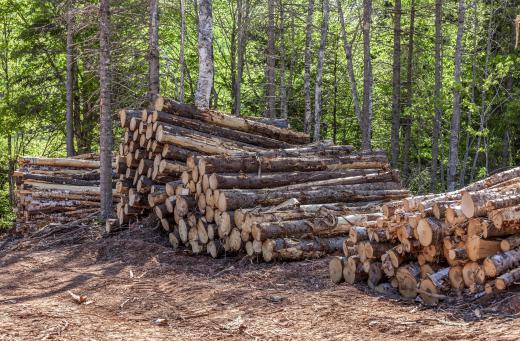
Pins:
<point x="434" y="286"/>
<point x="236" y="135"/>
<point x="271" y="180"/>
<point x="233" y="199"/>
<point x="259" y="164"/>
<point x="290" y="249"/>
<point x="506" y="217"/>
<point x="233" y="122"/>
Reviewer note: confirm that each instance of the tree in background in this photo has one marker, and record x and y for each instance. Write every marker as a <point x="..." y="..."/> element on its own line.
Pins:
<point x="205" y="80"/>
<point x="105" y="136"/>
<point x="319" y="72"/>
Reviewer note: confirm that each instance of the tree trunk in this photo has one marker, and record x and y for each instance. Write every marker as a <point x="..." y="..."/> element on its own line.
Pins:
<point x="283" y="90"/>
<point x="205" y="81"/>
<point x="335" y="97"/>
<point x="153" y="52"/>
<point x="407" y="122"/>
<point x="396" y="85"/>
<point x="319" y="72"/>
<point x="437" y="94"/>
<point x="347" y="46"/>
<point x="243" y="21"/>
<point x="455" y="120"/>
<point x="69" y="138"/>
<point x="106" y="139"/>
<point x="182" y="63"/>
<point x="307" y="68"/>
<point x="366" y="115"/>
<point x="271" y="59"/>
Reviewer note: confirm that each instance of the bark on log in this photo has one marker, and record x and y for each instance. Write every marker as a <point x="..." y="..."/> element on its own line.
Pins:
<point x="236" y="135"/>
<point x="289" y="249"/>
<point x="499" y="263"/>
<point x="231" y="200"/>
<point x="272" y="180"/>
<point x="507" y="279"/>
<point x="255" y="164"/>
<point x="434" y="286"/>
<point x="510" y="243"/>
<point x="58" y="162"/>
<point x="353" y="270"/>
<point x="506" y="217"/>
<point x="233" y="122"/>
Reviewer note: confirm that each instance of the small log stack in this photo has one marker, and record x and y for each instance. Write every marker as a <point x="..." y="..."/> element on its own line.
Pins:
<point x="222" y="184"/>
<point x="440" y="244"/>
<point x="51" y="190"/>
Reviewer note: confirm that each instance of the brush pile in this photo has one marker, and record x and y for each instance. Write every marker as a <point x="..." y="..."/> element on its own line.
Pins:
<point x="223" y="184"/>
<point x="56" y="190"/>
<point x="434" y="245"/>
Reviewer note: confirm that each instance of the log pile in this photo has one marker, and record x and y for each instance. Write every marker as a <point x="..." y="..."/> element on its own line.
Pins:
<point x="51" y="190"/>
<point x="222" y="184"/>
<point x="435" y="245"/>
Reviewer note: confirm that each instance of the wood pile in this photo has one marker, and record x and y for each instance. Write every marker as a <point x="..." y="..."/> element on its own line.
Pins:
<point x="51" y="190"/>
<point x="222" y="184"/>
<point x="439" y="244"/>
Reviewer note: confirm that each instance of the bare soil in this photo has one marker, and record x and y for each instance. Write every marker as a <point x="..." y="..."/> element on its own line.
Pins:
<point x="137" y="288"/>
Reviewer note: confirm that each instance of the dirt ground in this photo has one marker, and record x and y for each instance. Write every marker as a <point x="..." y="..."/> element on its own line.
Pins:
<point x="137" y="288"/>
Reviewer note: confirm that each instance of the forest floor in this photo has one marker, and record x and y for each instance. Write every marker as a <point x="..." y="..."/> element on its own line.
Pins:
<point x="137" y="288"/>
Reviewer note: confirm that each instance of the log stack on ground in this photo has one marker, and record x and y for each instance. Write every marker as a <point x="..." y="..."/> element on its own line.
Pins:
<point x="222" y="184"/>
<point x="51" y="190"/>
<point x="436" y="245"/>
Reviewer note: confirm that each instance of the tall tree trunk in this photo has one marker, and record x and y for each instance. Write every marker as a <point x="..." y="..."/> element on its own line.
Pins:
<point x="243" y="21"/>
<point x="205" y="80"/>
<point x="347" y="46"/>
<point x="409" y="95"/>
<point x="483" y="105"/>
<point x="69" y="131"/>
<point x="396" y="84"/>
<point x="270" y="72"/>
<point x="153" y="52"/>
<point x="319" y="72"/>
<point x="335" y="101"/>
<point x="182" y="62"/>
<point x="283" y="90"/>
<point x="307" y="68"/>
<point x="366" y="115"/>
<point x="437" y="99"/>
<point x="233" y="50"/>
<point x="455" y="120"/>
<point x="472" y="95"/>
<point x="10" y="161"/>
<point x="105" y="136"/>
<point x="293" y="60"/>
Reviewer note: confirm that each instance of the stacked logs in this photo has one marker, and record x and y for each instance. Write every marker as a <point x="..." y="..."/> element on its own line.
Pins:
<point x="288" y="204"/>
<point x="156" y="145"/>
<point x="222" y="184"/>
<point x="53" y="190"/>
<point x="437" y="244"/>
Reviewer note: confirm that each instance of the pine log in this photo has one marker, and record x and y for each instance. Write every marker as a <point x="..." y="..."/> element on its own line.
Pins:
<point x="171" y="167"/>
<point x="271" y="180"/>
<point x="200" y="142"/>
<point x="506" y="217"/>
<point x="336" y="266"/>
<point x="478" y="248"/>
<point x="473" y="274"/>
<point x="434" y="286"/>
<point x="510" y="243"/>
<point x="289" y="249"/>
<point x="499" y="263"/>
<point x="508" y="279"/>
<point x="233" y="122"/>
<point x="353" y="270"/>
<point x="408" y="277"/>
<point x="503" y="202"/>
<point x="431" y="231"/>
<point x="58" y="162"/>
<point x="241" y="136"/>
<point x="297" y="228"/>
<point x="256" y="164"/>
<point x="233" y="199"/>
